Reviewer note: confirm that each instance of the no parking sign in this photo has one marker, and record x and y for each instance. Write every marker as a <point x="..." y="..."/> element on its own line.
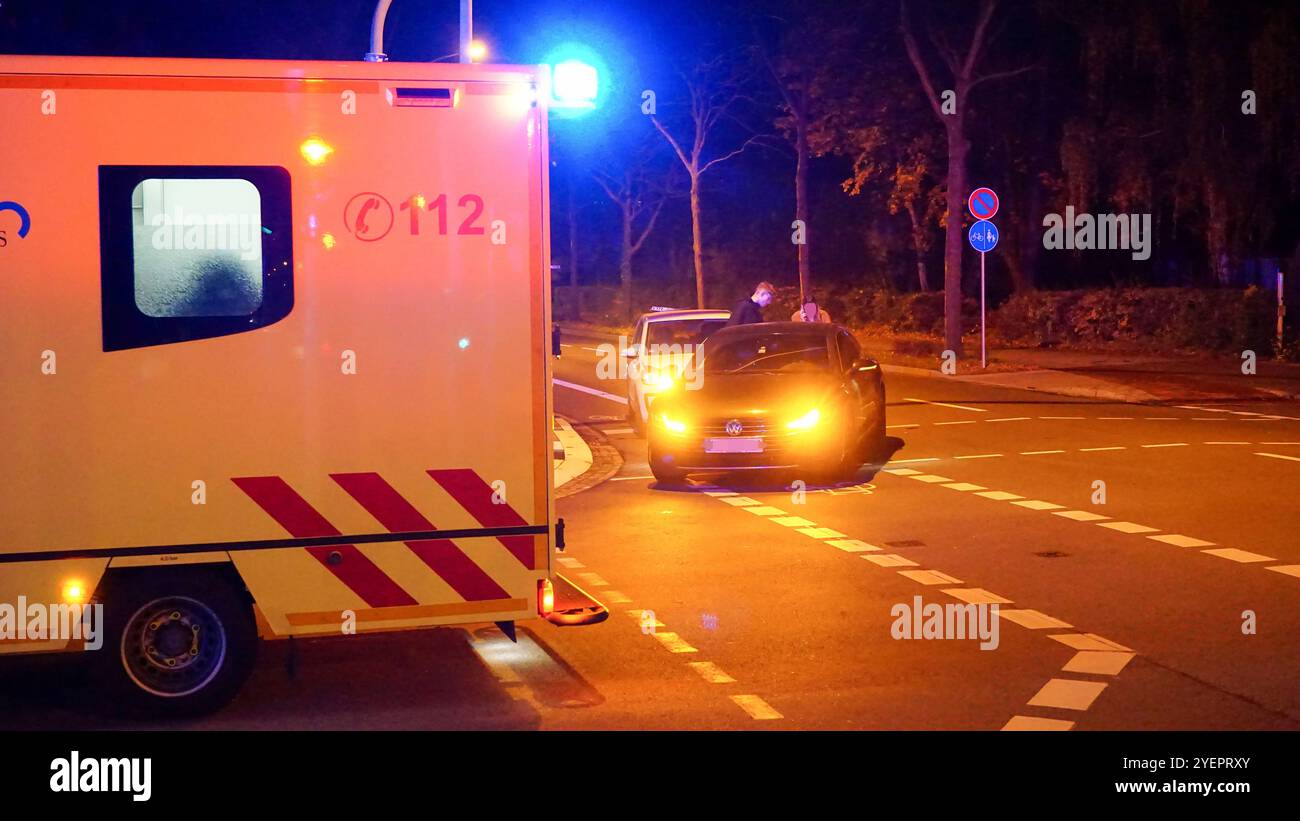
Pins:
<point x="983" y="203"/>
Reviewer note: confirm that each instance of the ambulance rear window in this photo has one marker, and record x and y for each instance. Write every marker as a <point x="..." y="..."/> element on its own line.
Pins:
<point x="193" y="252"/>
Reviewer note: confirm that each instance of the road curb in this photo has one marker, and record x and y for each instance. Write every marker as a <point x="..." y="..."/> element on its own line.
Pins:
<point x="576" y="459"/>
<point x="599" y="459"/>
<point x="1105" y="392"/>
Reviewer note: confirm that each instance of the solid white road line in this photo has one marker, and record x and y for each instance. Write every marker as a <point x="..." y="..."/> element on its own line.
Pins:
<point x="944" y="404"/>
<point x="622" y="400"/>
<point x="1279" y="456"/>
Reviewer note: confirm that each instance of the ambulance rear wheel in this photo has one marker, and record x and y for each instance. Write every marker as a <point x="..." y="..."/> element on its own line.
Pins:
<point x="176" y="645"/>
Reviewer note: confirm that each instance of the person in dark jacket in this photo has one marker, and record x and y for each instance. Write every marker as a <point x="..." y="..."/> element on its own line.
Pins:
<point x="749" y="310"/>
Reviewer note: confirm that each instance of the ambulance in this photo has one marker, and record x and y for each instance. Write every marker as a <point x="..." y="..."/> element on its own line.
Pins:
<point x="274" y="360"/>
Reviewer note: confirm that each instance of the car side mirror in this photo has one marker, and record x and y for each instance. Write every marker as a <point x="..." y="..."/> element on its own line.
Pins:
<point x="863" y="364"/>
<point x="632" y="351"/>
<point x="555" y="341"/>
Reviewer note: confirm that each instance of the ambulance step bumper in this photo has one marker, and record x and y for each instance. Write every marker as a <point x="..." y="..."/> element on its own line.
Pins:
<point x="574" y="606"/>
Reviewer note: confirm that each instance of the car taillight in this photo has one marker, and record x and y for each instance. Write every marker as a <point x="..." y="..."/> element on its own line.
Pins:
<point x="545" y="597"/>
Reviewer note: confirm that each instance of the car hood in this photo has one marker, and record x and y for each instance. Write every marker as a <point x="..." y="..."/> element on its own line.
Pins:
<point x="753" y="396"/>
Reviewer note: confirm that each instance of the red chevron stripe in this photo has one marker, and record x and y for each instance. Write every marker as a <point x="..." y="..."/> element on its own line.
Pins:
<point x="395" y="513"/>
<point x="473" y="494"/>
<point x="295" y="515"/>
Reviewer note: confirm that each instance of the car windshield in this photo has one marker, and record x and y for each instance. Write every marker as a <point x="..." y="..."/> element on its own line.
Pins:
<point x="768" y="353"/>
<point x="681" y="332"/>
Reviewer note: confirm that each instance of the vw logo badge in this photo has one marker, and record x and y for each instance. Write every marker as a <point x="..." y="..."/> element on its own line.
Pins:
<point x="734" y="428"/>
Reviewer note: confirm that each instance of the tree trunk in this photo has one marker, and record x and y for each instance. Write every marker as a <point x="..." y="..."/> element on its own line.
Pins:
<point x="625" y="261"/>
<point x="573" y="257"/>
<point x="918" y="245"/>
<point x="1031" y="242"/>
<point x="953" y="240"/>
<point x="801" y="208"/>
<point x="697" y="242"/>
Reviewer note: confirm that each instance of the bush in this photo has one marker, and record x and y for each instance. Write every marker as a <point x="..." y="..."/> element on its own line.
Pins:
<point x="1156" y="318"/>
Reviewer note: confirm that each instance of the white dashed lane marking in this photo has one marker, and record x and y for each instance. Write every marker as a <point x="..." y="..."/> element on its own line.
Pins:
<point x="1098" y="662"/>
<point x="1068" y="694"/>
<point x="1127" y="527"/>
<point x="999" y="495"/>
<point x="673" y="642"/>
<point x="710" y="672"/>
<point x="1088" y="641"/>
<point x="929" y="577"/>
<point x="852" y="545"/>
<point x="758" y="709"/>
<point x="890" y="560"/>
<point x="1035" y="504"/>
<point x="1179" y="540"/>
<point x="1242" y="556"/>
<point x="976" y="595"/>
<point x="1080" y="515"/>
<point x="1032" y="619"/>
<point x="1036" y="723"/>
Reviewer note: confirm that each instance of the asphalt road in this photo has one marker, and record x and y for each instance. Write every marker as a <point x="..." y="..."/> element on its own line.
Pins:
<point x="774" y="609"/>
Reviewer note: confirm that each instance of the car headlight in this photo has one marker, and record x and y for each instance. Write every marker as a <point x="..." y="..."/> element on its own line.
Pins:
<point x="808" y="420"/>
<point x="672" y="425"/>
<point x="660" y="381"/>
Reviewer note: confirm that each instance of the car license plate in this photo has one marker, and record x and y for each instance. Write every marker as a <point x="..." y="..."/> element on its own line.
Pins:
<point x="734" y="444"/>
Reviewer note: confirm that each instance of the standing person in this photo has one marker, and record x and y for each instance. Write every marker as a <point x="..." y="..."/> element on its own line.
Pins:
<point x="810" y="312"/>
<point x="749" y="310"/>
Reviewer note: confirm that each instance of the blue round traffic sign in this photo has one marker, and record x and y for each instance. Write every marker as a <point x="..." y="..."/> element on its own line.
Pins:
<point x="983" y="203"/>
<point x="983" y="236"/>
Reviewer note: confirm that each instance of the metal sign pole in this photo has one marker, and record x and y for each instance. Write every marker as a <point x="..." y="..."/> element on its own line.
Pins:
<point x="466" y="29"/>
<point x="1281" y="310"/>
<point x="984" y="355"/>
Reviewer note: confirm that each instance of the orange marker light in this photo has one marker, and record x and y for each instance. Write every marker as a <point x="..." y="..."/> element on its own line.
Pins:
<point x="315" y="151"/>
<point x="74" y="592"/>
<point x="545" y="597"/>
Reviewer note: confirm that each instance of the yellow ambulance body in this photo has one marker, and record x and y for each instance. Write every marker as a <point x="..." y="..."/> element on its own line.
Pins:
<point x="275" y="333"/>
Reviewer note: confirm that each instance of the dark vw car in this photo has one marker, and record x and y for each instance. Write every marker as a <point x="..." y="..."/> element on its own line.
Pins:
<point x="778" y="395"/>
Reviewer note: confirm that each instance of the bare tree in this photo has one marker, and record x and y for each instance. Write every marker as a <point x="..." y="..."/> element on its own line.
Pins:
<point x="962" y="68"/>
<point x="792" y="78"/>
<point x="637" y="190"/>
<point x="715" y="89"/>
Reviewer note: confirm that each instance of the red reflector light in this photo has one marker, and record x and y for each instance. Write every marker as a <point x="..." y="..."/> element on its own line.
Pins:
<point x="545" y="597"/>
